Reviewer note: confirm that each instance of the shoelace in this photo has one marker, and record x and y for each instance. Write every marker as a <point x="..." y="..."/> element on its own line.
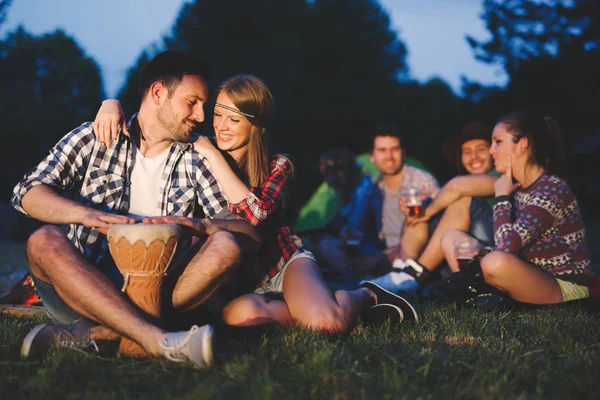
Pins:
<point x="176" y="343"/>
<point x="81" y="344"/>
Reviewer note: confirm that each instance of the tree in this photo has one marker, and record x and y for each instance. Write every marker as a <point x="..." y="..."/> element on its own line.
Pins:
<point x="4" y="4"/>
<point x="49" y="86"/>
<point x="526" y="29"/>
<point x="332" y="66"/>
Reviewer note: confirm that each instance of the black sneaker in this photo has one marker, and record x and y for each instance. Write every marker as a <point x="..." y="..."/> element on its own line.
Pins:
<point x="385" y="297"/>
<point x="467" y="287"/>
<point x="44" y="337"/>
<point x="413" y="268"/>
<point x="380" y="313"/>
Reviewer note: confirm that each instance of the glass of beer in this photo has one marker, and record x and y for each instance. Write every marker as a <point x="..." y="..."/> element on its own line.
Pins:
<point x="465" y="249"/>
<point x="413" y="199"/>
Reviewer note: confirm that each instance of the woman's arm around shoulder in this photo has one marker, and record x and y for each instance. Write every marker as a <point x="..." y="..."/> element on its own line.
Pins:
<point x="262" y="201"/>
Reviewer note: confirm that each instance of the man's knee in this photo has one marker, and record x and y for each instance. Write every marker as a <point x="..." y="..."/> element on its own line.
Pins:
<point x="224" y="245"/>
<point x="41" y="245"/>
<point x="43" y="240"/>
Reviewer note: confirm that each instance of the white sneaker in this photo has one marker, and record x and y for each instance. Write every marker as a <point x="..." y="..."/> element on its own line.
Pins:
<point x="396" y="281"/>
<point x="194" y="345"/>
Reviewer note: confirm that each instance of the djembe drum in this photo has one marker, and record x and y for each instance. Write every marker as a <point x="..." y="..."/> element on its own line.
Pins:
<point x="142" y="253"/>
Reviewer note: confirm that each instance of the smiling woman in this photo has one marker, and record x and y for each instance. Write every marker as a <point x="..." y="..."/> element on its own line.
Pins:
<point x="541" y="253"/>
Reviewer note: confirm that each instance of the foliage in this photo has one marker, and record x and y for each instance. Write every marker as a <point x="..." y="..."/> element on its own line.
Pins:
<point x="4" y="4"/>
<point x="527" y="29"/>
<point x="335" y="67"/>
<point x="49" y="86"/>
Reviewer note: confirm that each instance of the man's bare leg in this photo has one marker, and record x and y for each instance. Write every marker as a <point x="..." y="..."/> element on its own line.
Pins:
<point x="455" y="217"/>
<point x="412" y="241"/>
<point x="55" y="260"/>
<point x="207" y="270"/>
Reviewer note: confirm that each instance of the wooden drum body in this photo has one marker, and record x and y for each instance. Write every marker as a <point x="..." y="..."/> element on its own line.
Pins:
<point x="143" y="253"/>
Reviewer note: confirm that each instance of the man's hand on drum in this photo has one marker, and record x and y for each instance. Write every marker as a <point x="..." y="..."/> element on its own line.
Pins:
<point x="109" y="122"/>
<point x="103" y="221"/>
<point x="195" y="226"/>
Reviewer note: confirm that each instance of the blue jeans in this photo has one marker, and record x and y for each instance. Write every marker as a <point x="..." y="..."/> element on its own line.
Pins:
<point x="482" y="221"/>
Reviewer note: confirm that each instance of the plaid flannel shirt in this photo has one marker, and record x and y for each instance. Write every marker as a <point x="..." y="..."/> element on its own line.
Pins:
<point x="261" y="208"/>
<point x="84" y="170"/>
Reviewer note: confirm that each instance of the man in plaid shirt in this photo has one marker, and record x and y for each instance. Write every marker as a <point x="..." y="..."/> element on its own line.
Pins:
<point x="86" y="187"/>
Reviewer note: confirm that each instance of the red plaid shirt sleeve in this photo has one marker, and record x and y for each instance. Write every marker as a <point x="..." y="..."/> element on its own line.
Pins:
<point x="261" y="201"/>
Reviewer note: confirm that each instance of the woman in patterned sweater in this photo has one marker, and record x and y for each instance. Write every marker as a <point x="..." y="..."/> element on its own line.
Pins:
<point x="541" y="254"/>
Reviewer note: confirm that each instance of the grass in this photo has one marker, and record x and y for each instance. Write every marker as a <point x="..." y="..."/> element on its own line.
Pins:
<point x="550" y="353"/>
<point x="453" y="353"/>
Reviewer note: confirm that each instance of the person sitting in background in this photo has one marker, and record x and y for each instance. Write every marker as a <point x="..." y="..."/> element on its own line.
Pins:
<point x="541" y="254"/>
<point x="348" y="252"/>
<point x="464" y="203"/>
<point x="378" y="210"/>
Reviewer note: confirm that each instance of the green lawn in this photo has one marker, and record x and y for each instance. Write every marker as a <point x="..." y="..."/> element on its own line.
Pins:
<point x="453" y="353"/>
<point x="550" y="353"/>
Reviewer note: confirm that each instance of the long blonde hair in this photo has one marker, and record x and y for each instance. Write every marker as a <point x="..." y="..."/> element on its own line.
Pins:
<point x="251" y="96"/>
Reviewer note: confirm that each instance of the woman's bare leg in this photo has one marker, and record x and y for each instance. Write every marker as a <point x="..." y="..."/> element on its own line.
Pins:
<point x="255" y="309"/>
<point x="520" y="279"/>
<point x="314" y="306"/>
<point x="308" y="303"/>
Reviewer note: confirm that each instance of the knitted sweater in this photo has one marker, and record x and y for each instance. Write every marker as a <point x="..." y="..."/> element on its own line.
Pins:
<point x="543" y="225"/>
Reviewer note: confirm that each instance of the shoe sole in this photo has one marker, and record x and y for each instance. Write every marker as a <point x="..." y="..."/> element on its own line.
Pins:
<point x="207" y="348"/>
<point x="371" y="286"/>
<point x="26" y="347"/>
<point x="386" y="305"/>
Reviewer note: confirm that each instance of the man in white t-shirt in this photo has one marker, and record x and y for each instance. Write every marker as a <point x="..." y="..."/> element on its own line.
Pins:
<point x="83" y="187"/>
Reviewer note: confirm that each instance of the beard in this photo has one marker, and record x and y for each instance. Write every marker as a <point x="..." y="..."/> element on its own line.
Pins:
<point x="178" y="129"/>
<point x="391" y="170"/>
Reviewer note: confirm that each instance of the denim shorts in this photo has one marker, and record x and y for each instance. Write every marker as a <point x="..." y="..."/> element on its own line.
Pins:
<point x="482" y="221"/>
<point x="275" y="284"/>
<point x="56" y="308"/>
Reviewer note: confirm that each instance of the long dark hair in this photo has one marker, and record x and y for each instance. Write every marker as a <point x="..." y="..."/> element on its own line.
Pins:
<point x="544" y="136"/>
